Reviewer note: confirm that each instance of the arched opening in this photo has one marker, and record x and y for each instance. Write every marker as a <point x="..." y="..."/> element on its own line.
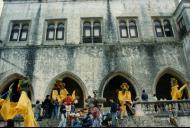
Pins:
<point x="72" y="82"/>
<point x="72" y="85"/>
<point x="113" y="86"/>
<point x="14" y="80"/>
<point x="163" y="87"/>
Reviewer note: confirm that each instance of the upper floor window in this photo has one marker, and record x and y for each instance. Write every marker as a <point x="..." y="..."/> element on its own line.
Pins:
<point x="133" y="29"/>
<point x="60" y="32"/>
<point x="128" y="28"/>
<point x="163" y="28"/>
<point x="19" y="31"/>
<point x="24" y="32"/>
<point x="168" y="29"/>
<point x="87" y="29"/>
<point x="158" y="28"/>
<point x="50" y="32"/>
<point x="92" y="31"/>
<point x="182" y="26"/>
<point x="123" y="29"/>
<point x="55" y="30"/>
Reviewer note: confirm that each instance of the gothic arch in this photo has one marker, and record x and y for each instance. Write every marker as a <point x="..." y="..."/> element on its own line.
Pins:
<point x="9" y="79"/>
<point x="124" y="75"/>
<point x="67" y="75"/>
<point x="168" y="71"/>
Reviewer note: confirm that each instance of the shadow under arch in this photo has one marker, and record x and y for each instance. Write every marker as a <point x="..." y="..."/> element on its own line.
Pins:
<point x="107" y="90"/>
<point x="163" y="78"/>
<point x="14" y="79"/>
<point x="72" y="82"/>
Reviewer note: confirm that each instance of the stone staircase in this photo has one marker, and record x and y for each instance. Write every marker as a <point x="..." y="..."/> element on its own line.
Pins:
<point x="143" y="121"/>
<point x="48" y="123"/>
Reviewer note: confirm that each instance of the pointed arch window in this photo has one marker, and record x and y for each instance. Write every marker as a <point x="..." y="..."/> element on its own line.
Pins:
<point x="50" y="32"/>
<point x="24" y="32"/>
<point x="60" y="31"/>
<point x="123" y="29"/>
<point x="133" y="29"/>
<point x="158" y="28"/>
<point x="15" y="32"/>
<point x="168" y="29"/>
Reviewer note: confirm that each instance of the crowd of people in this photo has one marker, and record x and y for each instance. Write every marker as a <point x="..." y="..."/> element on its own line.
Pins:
<point x="93" y="115"/>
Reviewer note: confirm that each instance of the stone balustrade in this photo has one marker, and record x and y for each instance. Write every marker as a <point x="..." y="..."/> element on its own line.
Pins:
<point x="163" y="108"/>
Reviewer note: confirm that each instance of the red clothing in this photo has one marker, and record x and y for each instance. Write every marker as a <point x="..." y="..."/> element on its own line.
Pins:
<point x="68" y="100"/>
<point x="95" y="112"/>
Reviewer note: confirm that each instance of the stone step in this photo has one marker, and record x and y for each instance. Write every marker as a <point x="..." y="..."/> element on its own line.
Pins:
<point x="48" y="123"/>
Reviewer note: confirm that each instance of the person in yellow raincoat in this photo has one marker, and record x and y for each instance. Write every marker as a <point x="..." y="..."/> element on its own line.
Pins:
<point x="23" y="107"/>
<point x="176" y="93"/>
<point x="124" y="97"/>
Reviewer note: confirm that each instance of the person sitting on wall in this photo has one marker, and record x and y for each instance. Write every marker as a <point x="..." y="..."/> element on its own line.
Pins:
<point x="176" y="93"/>
<point x="124" y="97"/>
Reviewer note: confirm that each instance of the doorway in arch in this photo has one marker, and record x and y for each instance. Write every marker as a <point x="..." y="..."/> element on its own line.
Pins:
<point x="163" y="87"/>
<point x="113" y="86"/>
<point x="71" y="85"/>
<point x="15" y="90"/>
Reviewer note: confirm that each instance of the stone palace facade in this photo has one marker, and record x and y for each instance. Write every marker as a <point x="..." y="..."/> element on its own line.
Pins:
<point x="95" y="45"/>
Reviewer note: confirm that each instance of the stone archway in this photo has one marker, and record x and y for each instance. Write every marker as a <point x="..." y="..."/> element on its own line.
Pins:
<point x="162" y="85"/>
<point x="111" y="85"/>
<point x="72" y="83"/>
<point x="14" y="79"/>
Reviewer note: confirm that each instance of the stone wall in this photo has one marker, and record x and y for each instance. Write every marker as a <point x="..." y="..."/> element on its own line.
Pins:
<point x="186" y="45"/>
<point x="73" y="11"/>
<point x="91" y="64"/>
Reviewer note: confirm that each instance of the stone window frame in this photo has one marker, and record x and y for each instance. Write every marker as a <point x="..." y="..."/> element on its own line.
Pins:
<point x="92" y="39"/>
<point x="127" y="20"/>
<point x="20" y="30"/>
<point x="56" y="23"/>
<point x="162" y="19"/>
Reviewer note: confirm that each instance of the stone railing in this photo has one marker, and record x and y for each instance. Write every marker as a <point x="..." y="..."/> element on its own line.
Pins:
<point x="163" y="108"/>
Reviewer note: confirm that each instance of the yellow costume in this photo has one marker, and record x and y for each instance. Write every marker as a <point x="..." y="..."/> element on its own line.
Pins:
<point x="24" y="107"/>
<point x="124" y="97"/>
<point x="176" y="93"/>
<point x="63" y="92"/>
<point x="55" y="95"/>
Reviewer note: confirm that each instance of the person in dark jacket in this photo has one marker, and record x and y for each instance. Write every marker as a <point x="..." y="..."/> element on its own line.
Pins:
<point x="113" y="111"/>
<point x="37" y="110"/>
<point x="47" y="107"/>
<point x="63" y="116"/>
<point x="144" y="96"/>
<point x="87" y="121"/>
